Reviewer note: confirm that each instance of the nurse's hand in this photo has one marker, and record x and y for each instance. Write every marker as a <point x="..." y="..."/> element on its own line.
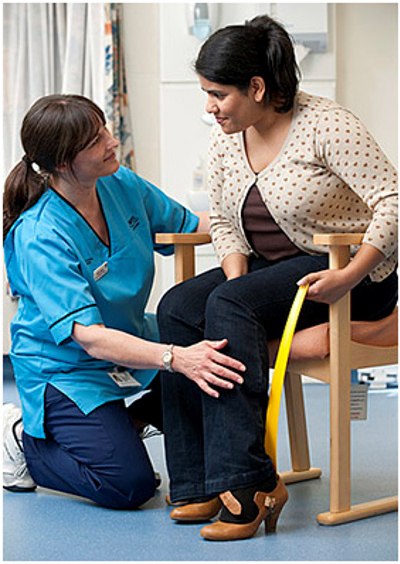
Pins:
<point x="207" y="367"/>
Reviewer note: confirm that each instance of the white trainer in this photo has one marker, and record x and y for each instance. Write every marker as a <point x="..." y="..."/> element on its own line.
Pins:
<point x="16" y="477"/>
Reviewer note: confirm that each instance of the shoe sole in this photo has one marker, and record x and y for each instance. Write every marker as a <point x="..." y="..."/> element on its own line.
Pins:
<point x="18" y="489"/>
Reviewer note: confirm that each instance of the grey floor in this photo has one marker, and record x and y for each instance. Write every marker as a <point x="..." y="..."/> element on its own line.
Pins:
<point x="46" y="526"/>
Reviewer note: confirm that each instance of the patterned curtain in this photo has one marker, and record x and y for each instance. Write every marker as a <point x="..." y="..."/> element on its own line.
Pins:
<point x="116" y="107"/>
<point x="48" y="48"/>
<point x="58" y="47"/>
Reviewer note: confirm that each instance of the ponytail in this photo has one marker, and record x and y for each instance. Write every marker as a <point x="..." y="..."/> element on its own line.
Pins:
<point x="281" y="69"/>
<point x="23" y="188"/>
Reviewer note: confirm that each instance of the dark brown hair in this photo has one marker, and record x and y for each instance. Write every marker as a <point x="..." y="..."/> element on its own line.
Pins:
<point x="260" y="47"/>
<point x="55" y="129"/>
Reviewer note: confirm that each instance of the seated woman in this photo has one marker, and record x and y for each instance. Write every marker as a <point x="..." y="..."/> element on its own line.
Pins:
<point x="283" y="165"/>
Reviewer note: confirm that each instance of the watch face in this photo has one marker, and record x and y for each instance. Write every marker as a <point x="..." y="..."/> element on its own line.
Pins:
<point x="167" y="358"/>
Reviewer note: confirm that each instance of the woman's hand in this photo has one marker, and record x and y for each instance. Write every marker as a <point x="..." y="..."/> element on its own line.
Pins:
<point x="235" y="265"/>
<point x="206" y="366"/>
<point x="326" y="286"/>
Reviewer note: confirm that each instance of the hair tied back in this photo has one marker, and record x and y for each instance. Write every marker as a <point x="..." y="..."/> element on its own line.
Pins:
<point x="31" y="164"/>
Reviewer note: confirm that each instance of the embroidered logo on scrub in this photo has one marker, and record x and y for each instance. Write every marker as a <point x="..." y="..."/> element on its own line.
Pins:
<point x="100" y="271"/>
<point x="133" y="222"/>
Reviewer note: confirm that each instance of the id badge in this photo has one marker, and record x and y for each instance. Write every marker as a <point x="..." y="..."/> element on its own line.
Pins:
<point x="101" y="271"/>
<point x="123" y="378"/>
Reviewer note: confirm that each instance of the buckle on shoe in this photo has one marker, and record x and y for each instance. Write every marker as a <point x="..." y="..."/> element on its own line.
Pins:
<point x="270" y="503"/>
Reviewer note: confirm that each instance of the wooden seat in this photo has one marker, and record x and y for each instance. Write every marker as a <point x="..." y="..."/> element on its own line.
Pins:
<point x="333" y="368"/>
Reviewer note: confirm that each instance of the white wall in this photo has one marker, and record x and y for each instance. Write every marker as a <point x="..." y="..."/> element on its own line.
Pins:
<point x="141" y="44"/>
<point x="367" y="68"/>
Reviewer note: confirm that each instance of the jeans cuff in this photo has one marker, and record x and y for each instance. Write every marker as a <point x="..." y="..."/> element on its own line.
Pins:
<point x="240" y="480"/>
<point x="187" y="492"/>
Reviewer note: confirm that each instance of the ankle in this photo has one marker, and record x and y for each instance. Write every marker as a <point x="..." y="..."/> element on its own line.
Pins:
<point x="239" y="505"/>
<point x="202" y="499"/>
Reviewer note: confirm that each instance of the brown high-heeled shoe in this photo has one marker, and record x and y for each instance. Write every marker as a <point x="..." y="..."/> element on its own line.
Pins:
<point x="269" y="506"/>
<point x="203" y="511"/>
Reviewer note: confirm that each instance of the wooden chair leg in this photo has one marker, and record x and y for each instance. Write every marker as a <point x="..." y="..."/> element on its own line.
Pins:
<point x="297" y="426"/>
<point x="341" y="510"/>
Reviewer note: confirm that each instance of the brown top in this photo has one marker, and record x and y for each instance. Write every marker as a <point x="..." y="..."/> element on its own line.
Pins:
<point x="263" y="233"/>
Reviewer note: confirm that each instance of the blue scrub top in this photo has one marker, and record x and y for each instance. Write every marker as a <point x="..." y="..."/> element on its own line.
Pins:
<point x="63" y="273"/>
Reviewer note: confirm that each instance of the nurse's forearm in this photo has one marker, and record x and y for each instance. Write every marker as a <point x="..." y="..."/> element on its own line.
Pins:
<point x="202" y="362"/>
<point x="118" y="347"/>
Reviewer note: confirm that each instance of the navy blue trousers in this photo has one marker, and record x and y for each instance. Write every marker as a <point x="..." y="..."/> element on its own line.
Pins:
<point x="213" y="445"/>
<point x="99" y="456"/>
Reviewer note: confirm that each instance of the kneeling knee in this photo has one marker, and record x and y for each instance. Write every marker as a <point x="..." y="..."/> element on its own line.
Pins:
<point x="126" y="492"/>
<point x="141" y="490"/>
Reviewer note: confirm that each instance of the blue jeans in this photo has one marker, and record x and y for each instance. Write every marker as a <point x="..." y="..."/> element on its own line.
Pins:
<point x="213" y="445"/>
<point x="99" y="456"/>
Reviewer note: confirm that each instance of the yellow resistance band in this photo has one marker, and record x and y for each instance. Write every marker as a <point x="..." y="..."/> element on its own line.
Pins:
<point x="271" y="435"/>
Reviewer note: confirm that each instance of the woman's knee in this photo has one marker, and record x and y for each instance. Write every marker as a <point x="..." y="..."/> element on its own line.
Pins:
<point x="226" y="298"/>
<point x="183" y="306"/>
<point x="169" y="303"/>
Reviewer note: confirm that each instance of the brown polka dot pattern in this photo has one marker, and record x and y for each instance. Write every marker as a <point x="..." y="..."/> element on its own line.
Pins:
<point x="330" y="176"/>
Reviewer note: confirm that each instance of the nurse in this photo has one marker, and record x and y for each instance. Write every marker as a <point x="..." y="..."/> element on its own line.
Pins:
<point x="79" y="242"/>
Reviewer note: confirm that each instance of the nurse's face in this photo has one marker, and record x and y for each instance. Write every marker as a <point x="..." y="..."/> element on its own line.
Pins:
<point x="98" y="158"/>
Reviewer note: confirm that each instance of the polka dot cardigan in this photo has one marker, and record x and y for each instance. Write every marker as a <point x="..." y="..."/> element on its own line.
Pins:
<point x="330" y="176"/>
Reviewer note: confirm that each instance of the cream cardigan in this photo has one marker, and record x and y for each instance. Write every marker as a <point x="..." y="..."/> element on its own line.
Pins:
<point x="330" y="176"/>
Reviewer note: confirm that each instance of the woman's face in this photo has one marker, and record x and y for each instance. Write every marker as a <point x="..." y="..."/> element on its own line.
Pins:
<point x="234" y="110"/>
<point x="98" y="158"/>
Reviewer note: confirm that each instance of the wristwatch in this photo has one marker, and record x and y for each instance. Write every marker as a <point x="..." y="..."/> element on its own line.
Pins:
<point x="167" y="358"/>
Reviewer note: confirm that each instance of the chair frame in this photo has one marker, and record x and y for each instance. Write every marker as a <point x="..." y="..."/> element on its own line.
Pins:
<point x="335" y="370"/>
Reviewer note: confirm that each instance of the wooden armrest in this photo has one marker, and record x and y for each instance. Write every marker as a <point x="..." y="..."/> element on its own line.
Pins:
<point x="183" y="238"/>
<point x="184" y="251"/>
<point x="338" y="238"/>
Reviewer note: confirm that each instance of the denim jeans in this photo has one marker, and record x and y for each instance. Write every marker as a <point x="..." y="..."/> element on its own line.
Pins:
<point x="213" y="445"/>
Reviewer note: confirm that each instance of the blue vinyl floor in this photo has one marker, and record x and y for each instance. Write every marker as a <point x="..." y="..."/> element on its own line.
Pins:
<point x="47" y="526"/>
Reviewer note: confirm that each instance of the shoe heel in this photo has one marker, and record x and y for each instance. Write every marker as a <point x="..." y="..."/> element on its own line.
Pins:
<point x="274" y="505"/>
<point x="271" y="521"/>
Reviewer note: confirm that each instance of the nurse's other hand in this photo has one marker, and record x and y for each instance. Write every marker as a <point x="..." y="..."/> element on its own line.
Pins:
<point x="207" y="367"/>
